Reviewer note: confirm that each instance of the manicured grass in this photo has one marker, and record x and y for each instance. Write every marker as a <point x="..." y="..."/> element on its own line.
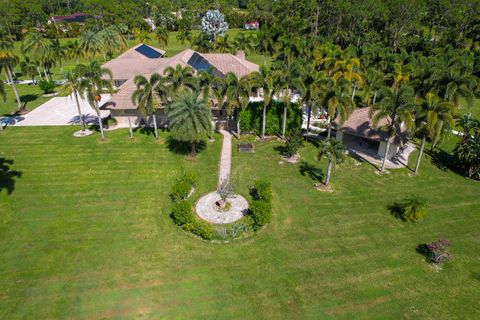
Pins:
<point x="30" y="95"/>
<point x="86" y="234"/>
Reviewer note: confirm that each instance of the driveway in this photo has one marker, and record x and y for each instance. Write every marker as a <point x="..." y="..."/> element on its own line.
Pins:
<point x="58" y="111"/>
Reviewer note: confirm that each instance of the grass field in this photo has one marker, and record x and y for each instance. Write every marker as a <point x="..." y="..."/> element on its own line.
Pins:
<point x="85" y="234"/>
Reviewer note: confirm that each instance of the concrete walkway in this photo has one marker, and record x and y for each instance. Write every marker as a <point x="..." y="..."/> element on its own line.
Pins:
<point x="225" y="165"/>
<point x="206" y="207"/>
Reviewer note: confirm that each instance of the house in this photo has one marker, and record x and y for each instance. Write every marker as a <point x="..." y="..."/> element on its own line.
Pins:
<point x="130" y="64"/>
<point x="77" y="17"/>
<point x="359" y="134"/>
<point x="140" y="59"/>
<point x="252" y="25"/>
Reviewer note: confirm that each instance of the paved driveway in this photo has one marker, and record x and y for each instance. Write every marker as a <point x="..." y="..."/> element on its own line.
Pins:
<point x="58" y="111"/>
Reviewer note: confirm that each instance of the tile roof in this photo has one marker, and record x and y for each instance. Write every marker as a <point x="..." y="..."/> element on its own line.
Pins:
<point x="133" y="62"/>
<point x="360" y="124"/>
<point x="221" y="62"/>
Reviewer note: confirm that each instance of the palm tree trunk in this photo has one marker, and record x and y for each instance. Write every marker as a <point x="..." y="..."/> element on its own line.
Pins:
<point x="45" y="72"/>
<point x="385" y="156"/>
<point x="155" y="125"/>
<point x="284" y="127"/>
<point x="99" y="120"/>
<point x="375" y="97"/>
<point x="354" y="89"/>
<point x="82" y="121"/>
<point x="264" y="116"/>
<point x="39" y="72"/>
<point x="238" y="125"/>
<point x="193" y="151"/>
<point x="308" y="119"/>
<point x="130" y="128"/>
<point x="420" y="153"/>
<point x="329" y="130"/>
<point x="14" y="87"/>
<point x="329" y="171"/>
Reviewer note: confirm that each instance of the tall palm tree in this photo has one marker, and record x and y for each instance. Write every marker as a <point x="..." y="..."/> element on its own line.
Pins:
<point x="112" y="40"/>
<point x="179" y="79"/>
<point x="93" y="84"/>
<point x="146" y="97"/>
<point x="238" y="93"/>
<point x="190" y="119"/>
<point x="7" y="61"/>
<point x="314" y="89"/>
<point x="435" y="118"/>
<point x="161" y="34"/>
<point x="287" y="79"/>
<point x="244" y="42"/>
<point x="265" y="39"/>
<point x="72" y="86"/>
<point x="372" y="84"/>
<point x="332" y="150"/>
<point x="57" y="52"/>
<point x="38" y="48"/>
<point x="29" y="68"/>
<point x="337" y="102"/>
<point x="263" y="80"/>
<point x="397" y="108"/>
<point x="91" y="44"/>
<point x="349" y="69"/>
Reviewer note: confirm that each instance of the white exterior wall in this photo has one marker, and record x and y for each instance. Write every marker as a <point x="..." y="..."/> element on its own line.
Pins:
<point x="392" y="151"/>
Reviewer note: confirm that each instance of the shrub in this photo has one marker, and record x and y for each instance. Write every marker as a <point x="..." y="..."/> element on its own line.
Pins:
<point x="182" y="213"/>
<point x="412" y="210"/>
<point x="467" y="156"/>
<point x="47" y="86"/>
<point x="199" y="228"/>
<point x="293" y="143"/>
<point x="225" y="189"/>
<point x="435" y="252"/>
<point x="183" y="185"/>
<point x="261" y="190"/>
<point x="261" y="212"/>
<point x="109" y="122"/>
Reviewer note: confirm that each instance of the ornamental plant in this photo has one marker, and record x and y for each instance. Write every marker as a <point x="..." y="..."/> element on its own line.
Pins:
<point x="438" y="251"/>
<point x="214" y="24"/>
<point x="293" y="143"/>
<point x="413" y="210"/>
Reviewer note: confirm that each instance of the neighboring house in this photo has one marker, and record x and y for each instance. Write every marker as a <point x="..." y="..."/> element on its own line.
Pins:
<point x="77" y="17"/>
<point x="252" y="25"/>
<point x="120" y="104"/>
<point x="358" y="133"/>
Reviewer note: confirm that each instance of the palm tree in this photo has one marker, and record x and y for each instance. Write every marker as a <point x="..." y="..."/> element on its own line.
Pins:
<point x="287" y="78"/>
<point x="332" y="150"/>
<point x="57" y="52"/>
<point x="338" y="102"/>
<point x="265" y="40"/>
<point x="397" y="108"/>
<point x="141" y="36"/>
<point x="222" y="45"/>
<point x="190" y="119"/>
<point x="238" y="93"/>
<point x="183" y="36"/>
<point x="72" y="86"/>
<point x="263" y="80"/>
<point x="244" y="43"/>
<point x="29" y="68"/>
<point x="349" y="69"/>
<point x="7" y="60"/>
<point x="93" y="84"/>
<point x="372" y="84"/>
<point x="435" y="118"/>
<point x="161" y="34"/>
<point x="112" y="40"/>
<point x="37" y="47"/>
<point x="179" y="79"/>
<point x="91" y="44"/>
<point x="146" y="97"/>
<point x="73" y="50"/>
<point x="3" y="93"/>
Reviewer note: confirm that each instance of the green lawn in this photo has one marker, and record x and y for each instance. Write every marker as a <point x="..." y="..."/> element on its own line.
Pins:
<point x="85" y="234"/>
<point x="30" y="95"/>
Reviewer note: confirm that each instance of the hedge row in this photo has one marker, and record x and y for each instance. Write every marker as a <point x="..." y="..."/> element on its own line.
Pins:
<point x="182" y="209"/>
<point x="251" y="118"/>
<point x="261" y="206"/>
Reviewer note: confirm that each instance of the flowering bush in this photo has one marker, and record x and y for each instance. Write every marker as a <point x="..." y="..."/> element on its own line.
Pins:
<point x="438" y="251"/>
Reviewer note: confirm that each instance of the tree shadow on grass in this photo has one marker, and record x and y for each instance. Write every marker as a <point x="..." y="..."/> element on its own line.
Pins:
<point x="423" y="250"/>
<point x="8" y="176"/>
<point x="442" y="159"/>
<point x="312" y="171"/>
<point x="396" y="210"/>
<point x="184" y="148"/>
<point x="282" y="150"/>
